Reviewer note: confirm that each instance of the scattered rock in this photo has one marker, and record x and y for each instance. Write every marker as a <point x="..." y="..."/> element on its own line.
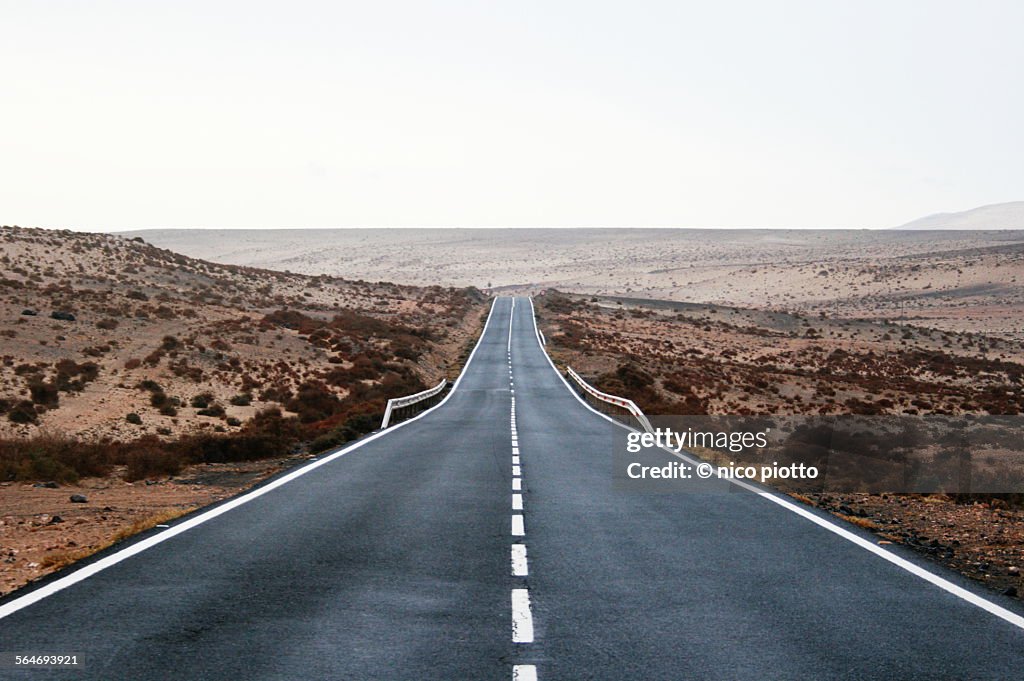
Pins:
<point x="56" y="519"/>
<point x="48" y="485"/>
<point x="62" y="315"/>
<point x="1013" y="570"/>
<point x="1011" y="592"/>
<point x="29" y="313"/>
<point x="78" y="499"/>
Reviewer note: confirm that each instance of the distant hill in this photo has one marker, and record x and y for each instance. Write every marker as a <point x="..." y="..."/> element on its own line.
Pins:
<point x="994" y="216"/>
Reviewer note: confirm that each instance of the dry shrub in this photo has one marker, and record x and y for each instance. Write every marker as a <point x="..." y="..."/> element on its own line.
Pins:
<point x="23" y="412"/>
<point x="266" y="435"/>
<point x="44" y="393"/>
<point x="150" y="459"/>
<point x="50" y="457"/>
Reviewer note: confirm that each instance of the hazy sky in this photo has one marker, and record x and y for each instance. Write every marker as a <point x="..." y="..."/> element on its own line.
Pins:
<point x="118" y="115"/>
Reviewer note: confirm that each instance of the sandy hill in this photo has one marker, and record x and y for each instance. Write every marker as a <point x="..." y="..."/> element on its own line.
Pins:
<point x="107" y="336"/>
<point x="994" y="216"/>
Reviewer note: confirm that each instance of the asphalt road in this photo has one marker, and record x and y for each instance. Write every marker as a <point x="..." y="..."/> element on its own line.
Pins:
<point x="417" y="555"/>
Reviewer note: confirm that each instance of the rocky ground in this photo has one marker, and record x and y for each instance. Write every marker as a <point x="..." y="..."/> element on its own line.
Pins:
<point x="982" y="540"/>
<point x="42" y="529"/>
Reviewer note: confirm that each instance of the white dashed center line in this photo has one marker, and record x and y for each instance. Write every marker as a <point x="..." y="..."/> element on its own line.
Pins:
<point x="524" y="672"/>
<point x="522" y="618"/>
<point x="519" y="565"/>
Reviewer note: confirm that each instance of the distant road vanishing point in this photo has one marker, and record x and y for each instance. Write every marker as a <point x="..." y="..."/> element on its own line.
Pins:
<point x="484" y="540"/>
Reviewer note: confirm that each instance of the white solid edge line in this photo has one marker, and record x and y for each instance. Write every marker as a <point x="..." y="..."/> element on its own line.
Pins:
<point x="522" y="618"/>
<point x="524" y="672"/>
<point x="520" y="567"/>
<point x="518" y="530"/>
<point x="140" y="546"/>
<point x="941" y="582"/>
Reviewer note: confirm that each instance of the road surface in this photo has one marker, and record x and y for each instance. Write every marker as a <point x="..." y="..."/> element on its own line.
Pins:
<point x="484" y="540"/>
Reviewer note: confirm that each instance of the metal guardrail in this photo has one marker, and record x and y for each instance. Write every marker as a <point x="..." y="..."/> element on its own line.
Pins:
<point x="621" y="402"/>
<point x="409" y="400"/>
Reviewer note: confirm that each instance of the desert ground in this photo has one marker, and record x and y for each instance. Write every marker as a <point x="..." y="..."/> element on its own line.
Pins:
<point x="42" y="529"/>
<point x="96" y="327"/>
<point x="948" y="280"/>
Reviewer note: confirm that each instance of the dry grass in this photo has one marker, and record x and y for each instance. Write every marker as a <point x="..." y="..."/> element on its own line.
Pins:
<point x="866" y="523"/>
<point x="150" y="521"/>
<point x="64" y="558"/>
